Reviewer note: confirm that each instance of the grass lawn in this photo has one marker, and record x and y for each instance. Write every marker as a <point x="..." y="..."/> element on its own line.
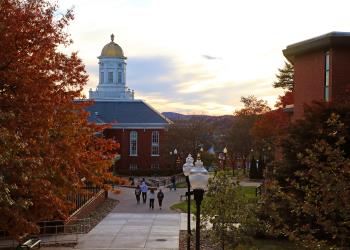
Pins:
<point x="181" y="185"/>
<point x="250" y="192"/>
<point x="182" y="206"/>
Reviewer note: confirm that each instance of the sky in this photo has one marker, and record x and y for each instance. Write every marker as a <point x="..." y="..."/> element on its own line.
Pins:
<point x="200" y="57"/>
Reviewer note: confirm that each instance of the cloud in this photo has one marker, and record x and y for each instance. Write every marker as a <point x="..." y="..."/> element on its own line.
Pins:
<point x="211" y="57"/>
<point x="168" y="84"/>
<point x="152" y="74"/>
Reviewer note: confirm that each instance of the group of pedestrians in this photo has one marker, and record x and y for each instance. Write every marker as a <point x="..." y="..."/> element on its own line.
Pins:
<point x="142" y="190"/>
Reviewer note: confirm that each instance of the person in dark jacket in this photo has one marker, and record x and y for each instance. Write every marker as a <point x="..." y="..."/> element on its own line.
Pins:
<point x="160" y="197"/>
<point x="173" y="182"/>
<point x="138" y="194"/>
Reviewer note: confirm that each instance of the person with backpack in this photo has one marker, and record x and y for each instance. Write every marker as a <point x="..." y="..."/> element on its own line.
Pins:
<point x="138" y="194"/>
<point x="160" y="197"/>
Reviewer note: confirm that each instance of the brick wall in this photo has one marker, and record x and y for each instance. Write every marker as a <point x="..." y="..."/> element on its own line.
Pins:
<point x="340" y="73"/>
<point x="144" y="159"/>
<point x="309" y="81"/>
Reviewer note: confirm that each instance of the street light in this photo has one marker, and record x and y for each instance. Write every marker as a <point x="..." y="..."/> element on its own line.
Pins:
<point x="199" y="180"/>
<point x="225" y="153"/>
<point x="198" y="156"/>
<point x="233" y="168"/>
<point x="176" y="157"/>
<point x="187" y="169"/>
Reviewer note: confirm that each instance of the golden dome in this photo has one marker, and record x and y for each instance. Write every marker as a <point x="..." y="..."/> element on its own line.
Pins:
<point x="112" y="49"/>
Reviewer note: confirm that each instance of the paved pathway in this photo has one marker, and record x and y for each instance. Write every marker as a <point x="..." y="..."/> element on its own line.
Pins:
<point x="132" y="226"/>
<point x="134" y="231"/>
<point x="136" y="226"/>
<point x="128" y="203"/>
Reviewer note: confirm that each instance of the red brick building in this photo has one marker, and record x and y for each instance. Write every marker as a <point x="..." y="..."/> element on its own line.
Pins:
<point x="137" y="126"/>
<point x="321" y="69"/>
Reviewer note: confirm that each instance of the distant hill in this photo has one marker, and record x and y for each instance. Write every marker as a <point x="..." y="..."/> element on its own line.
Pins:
<point x="219" y="126"/>
<point x="177" y="116"/>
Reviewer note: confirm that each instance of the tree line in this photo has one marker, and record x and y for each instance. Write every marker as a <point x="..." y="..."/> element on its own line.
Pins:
<point x="48" y="150"/>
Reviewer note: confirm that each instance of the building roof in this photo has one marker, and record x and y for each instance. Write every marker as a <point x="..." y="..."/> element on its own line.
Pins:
<point x="126" y="114"/>
<point x="324" y="42"/>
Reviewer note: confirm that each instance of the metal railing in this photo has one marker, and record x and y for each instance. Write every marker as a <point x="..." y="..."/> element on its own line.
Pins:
<point x="53" y="233"/>
<point x="80" y="199"/>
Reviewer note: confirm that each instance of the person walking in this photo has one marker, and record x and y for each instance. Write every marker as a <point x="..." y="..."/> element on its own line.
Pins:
<point x="152" y="196"/>
<point x="144" y="190"/>
<point x="138" y="194"/>
<point x="173" y="182"/>
<point x="160" y="197"/>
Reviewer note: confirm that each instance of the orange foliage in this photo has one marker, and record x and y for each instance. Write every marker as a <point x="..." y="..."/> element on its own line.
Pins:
<point x="270" y="124"/>
<point x="285" y="99"/>
<point x="47" y="146"/>
<point x="274" y="123"/>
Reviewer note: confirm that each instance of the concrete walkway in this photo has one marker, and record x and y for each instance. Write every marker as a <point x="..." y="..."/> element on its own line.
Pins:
<point x="132" y="226"/>
<point x="128" y="203"/>
<point x="136" y="226"/>
<point x="134" y="231"/>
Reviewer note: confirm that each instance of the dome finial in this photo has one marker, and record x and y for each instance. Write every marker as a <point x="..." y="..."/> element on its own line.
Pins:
<point x="112" y="37"/>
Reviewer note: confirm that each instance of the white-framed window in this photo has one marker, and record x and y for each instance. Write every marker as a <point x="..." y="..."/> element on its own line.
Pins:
<point x="155" y="143"/>
<point x="110" y="77"/>
<point x="155" y="165"/>
<point x="133" y="143"/>
<point x="102" y="77"/>
<point x="326" y="80"/>
<point x="133" y="166"/>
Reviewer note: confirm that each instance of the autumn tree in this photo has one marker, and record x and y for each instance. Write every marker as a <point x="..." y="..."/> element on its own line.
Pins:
<point x="273" y="125"/>
<point x="239" y="138"/>
<point x="188" y="136"/>
<point x="308" y="199"/>
<point x="47" y="146"/>
<point x="252" y="106"/>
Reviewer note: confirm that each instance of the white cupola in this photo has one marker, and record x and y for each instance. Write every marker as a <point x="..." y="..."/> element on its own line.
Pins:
<point x="112" y="75"/>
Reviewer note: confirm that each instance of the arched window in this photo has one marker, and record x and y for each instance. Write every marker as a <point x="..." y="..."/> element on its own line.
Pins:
<point x="133" y="143"/>
<point x="155" y="143"/>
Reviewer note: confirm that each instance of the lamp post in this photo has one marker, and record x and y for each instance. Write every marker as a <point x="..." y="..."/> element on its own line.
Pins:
<point x="199" y="180"/>
<point x="225" y="156"/>
<point x="175" y="157"/>
<point x="186" y="170"/>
